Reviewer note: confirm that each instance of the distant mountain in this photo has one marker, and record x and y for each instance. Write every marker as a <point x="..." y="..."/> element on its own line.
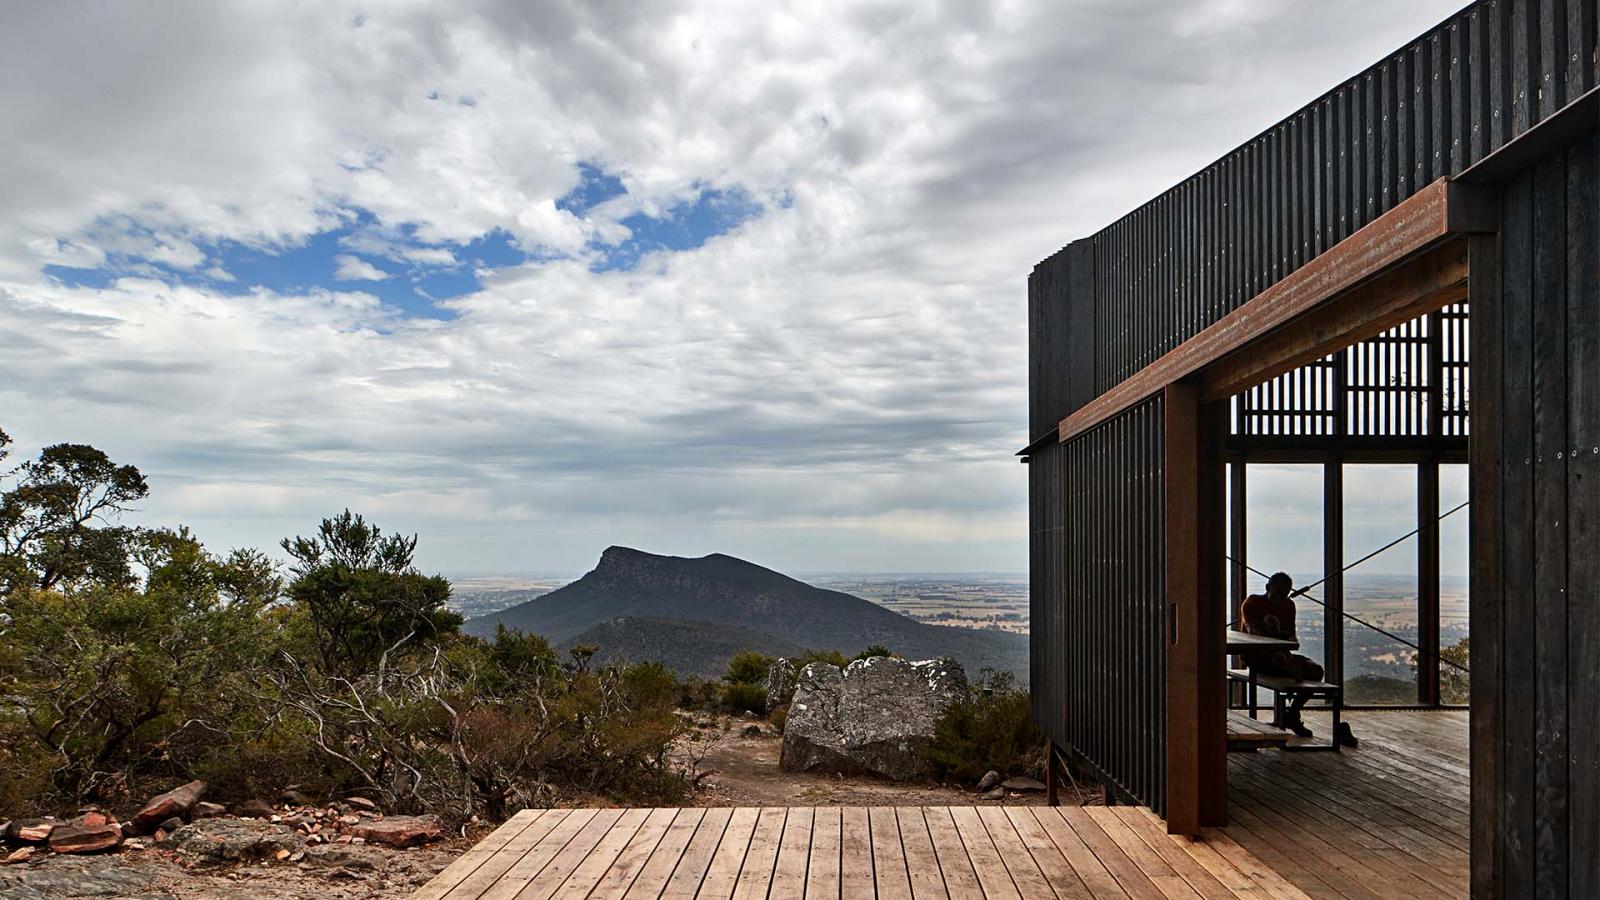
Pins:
<point x="724" y="591"/>
<point x="686" y="646"/>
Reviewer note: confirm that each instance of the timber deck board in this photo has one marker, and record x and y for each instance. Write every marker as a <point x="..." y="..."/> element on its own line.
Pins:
<point x="1388" y="819"/>
<point x="911" y="852"/>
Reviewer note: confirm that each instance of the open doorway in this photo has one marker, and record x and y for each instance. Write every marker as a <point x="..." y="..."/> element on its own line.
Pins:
<point x="1349" y="475"/>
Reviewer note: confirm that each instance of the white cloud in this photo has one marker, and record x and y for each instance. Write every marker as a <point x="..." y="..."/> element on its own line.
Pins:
<point x="839" y="383"/>
<point x="354" y="268"/>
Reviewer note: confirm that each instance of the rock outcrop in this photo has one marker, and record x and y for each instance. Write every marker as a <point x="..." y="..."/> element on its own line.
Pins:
<point x="781" y="678"/>
<point x="875" y="717"/>
<point x="29" y="831"/>
<point x="176" y="803"/>
<point x="89" y="833"/>
<point x="400" y="831"/>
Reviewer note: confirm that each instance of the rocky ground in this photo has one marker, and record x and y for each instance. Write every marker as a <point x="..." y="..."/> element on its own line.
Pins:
<point x="741" y="759"/>
<point x="301" y="851"/>
<point x="345" y="849"/>
<point x="326" y="871"/>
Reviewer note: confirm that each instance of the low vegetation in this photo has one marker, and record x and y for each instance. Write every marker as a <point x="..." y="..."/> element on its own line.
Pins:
<point x="133" y="659"/>
<point x="990" y="729"/>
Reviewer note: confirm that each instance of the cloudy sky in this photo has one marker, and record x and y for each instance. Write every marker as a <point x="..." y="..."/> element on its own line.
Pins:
<point x="535" y="278"/>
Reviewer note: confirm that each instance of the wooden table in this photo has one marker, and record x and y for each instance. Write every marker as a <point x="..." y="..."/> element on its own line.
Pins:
<point x="1244" y="642"/>
<point x="1240" y="642"/>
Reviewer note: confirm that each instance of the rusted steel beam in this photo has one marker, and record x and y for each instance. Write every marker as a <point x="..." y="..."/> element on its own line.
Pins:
<point x="1420" y="222"/>
<point x="1193" y="626"/>
<point x="1415" y="288"/>
<point x="1181" y="540"/>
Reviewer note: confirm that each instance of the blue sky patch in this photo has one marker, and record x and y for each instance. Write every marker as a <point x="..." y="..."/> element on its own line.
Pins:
<point x="415" y="286"/>
<point x="595" y="186"/>
<point x="715" y="211"/>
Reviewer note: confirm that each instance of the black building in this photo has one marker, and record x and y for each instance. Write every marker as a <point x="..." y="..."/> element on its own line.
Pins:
<point x="1406" y="270"/>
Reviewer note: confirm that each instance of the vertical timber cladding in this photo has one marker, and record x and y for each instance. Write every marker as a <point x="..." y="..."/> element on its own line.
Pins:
<point x="1430" y="110"/>
<point x="1061" y="359"/>
<point x="1113" y="602"/>
<point x="1536" y="697"/>
<point x="1045" y="665"/>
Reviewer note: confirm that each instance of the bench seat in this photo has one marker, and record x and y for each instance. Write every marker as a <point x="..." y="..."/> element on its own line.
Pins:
<point x="1285" y="684"/>
<point x="1281" y="686"/>
<point x="1245" y="733"/>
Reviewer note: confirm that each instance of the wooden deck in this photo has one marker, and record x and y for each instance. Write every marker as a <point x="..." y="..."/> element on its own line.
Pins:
<point x="1254" y="734"/>
<point x="852" y="852"/>
<point x="1389" y="819"/>
<point x="1386" y="820"/>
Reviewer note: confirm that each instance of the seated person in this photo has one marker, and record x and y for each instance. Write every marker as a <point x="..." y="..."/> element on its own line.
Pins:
<point x="1272" y="615"/>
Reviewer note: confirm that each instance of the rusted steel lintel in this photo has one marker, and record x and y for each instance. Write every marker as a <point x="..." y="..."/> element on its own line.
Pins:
<point x="1419" y="222"/>
<point x="1428" y="282"/>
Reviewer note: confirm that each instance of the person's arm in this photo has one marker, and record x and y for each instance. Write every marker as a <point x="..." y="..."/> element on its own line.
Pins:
<point x="1250" y="614"/>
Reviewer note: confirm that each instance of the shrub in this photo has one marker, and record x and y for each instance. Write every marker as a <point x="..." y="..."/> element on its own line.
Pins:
<point x="447" y="733"/>
<point x="361" y="596"/>
<point x="739" y="697"/>
<point x="748" y="667"/>
<point x="699" y="694"/>
<point x="831" y="657"/>
<point x="874" y="650"/>
<point x="991" y="728"/>
<point x="115" y="681"/>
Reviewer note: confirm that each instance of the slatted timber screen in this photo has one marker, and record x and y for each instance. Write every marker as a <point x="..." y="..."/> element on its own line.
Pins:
<point x="1431" y="109"/>
<point x="1112" y="601"/>
<point x="1303" y="402"/>
<point x="1454" y="340"/>
<point x="1045" y="645"/>
<point x="1388" y="378"/>
<point x="1410" y="381"/>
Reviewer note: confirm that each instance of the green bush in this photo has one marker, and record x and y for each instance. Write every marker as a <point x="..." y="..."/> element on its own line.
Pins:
<point x="831" y="657"/>
<point x="739" y="697"/>
<point x="748" y="667"/>
<point x="133" y="659"/>
<point x="874" y="650"/>
<point x="116" y="682"/>
<point x="991" y="728"/>
<point x="699" y="694"/>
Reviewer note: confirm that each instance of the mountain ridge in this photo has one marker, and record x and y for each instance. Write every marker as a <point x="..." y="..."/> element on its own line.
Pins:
<point x="687" y="646"/>
<point x="724" y="590"/>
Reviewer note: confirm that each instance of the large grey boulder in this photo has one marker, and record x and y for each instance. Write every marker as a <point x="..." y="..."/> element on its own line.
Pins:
<point x="874" y="717"/>
<point x="781" y="678"/>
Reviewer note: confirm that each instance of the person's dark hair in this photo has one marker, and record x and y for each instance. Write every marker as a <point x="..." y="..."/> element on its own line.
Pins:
<point x="1281" y="579"/>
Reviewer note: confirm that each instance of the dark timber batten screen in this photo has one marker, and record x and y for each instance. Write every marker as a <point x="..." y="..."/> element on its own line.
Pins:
<point x="1112" y="602"/>
<point x="1466" y="99"/>
<point x="1429" y="110"/>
